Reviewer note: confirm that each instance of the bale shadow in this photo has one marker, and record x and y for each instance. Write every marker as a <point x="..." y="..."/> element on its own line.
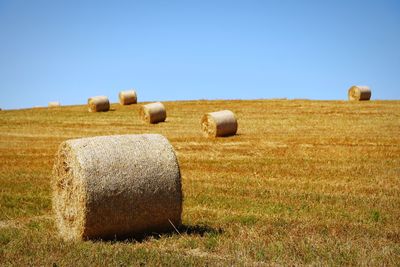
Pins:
<point x="191" y="230"/>
<point x="160" y="122"/>
<point x="200" y="230"/>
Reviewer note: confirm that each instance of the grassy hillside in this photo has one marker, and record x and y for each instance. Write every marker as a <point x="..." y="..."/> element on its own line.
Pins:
<point x="306" y="182"/>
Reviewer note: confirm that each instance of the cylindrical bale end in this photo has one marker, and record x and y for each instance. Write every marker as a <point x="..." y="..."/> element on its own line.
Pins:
<point x="127" y="97"/>
<point x="359" y="92"/>
<point x="116" y="187"/>
<point x="54" y="104"/>
<point x="153" y="112"/>
<point x="219" y="124"/>
<point x="98" y="103"/>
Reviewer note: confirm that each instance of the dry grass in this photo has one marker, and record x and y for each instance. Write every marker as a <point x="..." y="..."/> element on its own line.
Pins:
<point x="303" y="182"/>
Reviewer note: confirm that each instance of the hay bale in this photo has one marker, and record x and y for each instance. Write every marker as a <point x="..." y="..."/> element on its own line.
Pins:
<point x="358" y="92"/>
<point x="127" y="97"/>
<point x="220" y="123"/>
<point x="153" y="112"/>
<point x="54" y="104"/>
<point x="98" y="103"/>
<point x="116" y="186"/>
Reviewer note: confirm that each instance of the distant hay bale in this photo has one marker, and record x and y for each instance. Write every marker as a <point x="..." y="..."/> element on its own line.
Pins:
<point x="116" y="186"/>
<point x="54" y="104"/>
<point x="220" y="123"/>
<point x="98" y="103"/>
<point x="153" y="112"/>
<point x="127" y="97"/>
<point x="358" y="93"/>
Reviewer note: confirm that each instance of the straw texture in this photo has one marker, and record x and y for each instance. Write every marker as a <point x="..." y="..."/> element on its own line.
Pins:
<point x="116" y="186"/>
<point x="54" y="104"/>
<point x="220" y="123"/>
<point x="153" y="112"/>
<point x="127" y="97"/>
<point x="98" y="103"/>
<point x="359" y="92"/>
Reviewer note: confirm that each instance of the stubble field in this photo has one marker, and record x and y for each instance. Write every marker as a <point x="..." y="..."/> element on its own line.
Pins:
<point x="303" y="182"/>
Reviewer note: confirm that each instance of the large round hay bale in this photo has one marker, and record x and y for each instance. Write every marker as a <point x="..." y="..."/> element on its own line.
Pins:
<point x="98" y="103"/>
<point x="220" y="123"/>
<point x="116" y="186"/>
<point x="153" y="112"/>
<point x="359" y="92"/>
<point x="127" y="97"/>
<point x="54" y="104"/>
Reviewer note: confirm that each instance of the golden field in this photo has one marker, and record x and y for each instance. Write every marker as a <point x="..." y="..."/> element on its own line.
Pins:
<point x="303" y="182"/>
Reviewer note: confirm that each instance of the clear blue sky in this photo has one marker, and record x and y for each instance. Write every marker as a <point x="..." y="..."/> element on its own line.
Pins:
<point x="174" y="50"/>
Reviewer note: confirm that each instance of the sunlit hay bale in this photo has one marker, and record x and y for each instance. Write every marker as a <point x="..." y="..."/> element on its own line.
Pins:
<point x="116" y="187"/>
<point x="153" y="112"/>
<point x="358" y="93"/>
<point x="127" y="97"/>
<point x="220" y="123"/>
<point x="98" y="103"/>
<point x="54" y="104"/>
